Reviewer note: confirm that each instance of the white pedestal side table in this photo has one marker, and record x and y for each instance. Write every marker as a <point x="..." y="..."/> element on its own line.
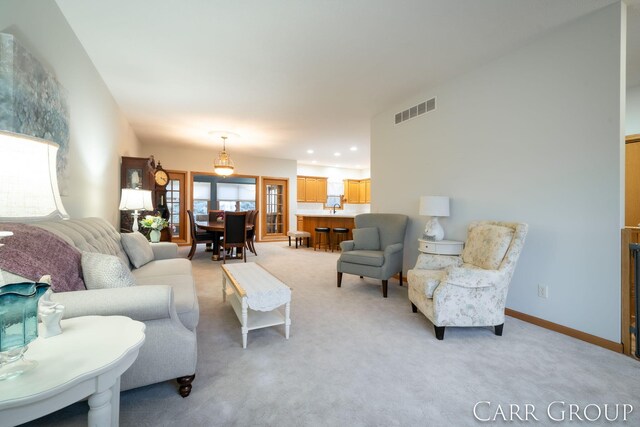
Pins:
<point x="86" y="360"/>
<point x="440" y="247"/>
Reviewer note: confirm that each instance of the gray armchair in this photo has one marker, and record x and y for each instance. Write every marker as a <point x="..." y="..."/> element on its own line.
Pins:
<point x="376" y="250"/>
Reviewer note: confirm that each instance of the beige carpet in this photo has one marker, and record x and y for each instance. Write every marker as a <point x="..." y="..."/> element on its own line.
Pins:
<point x="356" y="359"/>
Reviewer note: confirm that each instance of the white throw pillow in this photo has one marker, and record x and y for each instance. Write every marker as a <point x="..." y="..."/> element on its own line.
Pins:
<point x="137" y="248"/>
<point x="366" y="239"/>
<point x="103" y="271"/>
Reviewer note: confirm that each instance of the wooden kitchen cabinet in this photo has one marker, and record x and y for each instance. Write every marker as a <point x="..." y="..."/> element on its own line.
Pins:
<point x="357" y="191"/>
<point x="310" y="222"/>
<point x="302" y="194"/>
<point x="312" y="189"/>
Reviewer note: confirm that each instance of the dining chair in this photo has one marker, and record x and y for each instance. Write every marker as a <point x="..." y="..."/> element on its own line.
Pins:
<point x="198" y="236"/>
<point x="214" y="214"/>
<point x="251" y="233"/>
<point x="235" y="234"/>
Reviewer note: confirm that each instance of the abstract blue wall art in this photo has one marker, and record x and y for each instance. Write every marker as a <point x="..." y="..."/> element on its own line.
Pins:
<point x="32" y="102"/>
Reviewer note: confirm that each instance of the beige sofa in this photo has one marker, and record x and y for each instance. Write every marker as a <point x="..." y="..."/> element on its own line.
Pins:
<point x="164" y="298"/>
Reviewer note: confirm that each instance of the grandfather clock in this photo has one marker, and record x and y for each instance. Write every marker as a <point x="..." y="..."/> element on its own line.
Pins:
<point x="142" y="173"/>
<point x="161" y="180"/>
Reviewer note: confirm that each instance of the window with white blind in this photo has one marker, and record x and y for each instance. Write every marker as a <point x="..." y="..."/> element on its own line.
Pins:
<point x="201" y="200"/>
<point x="236" y="197"/>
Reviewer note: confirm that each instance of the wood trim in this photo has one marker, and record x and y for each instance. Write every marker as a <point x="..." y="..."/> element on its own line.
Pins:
<point x="181" y="176"/>
<point x="583" y="336"/>
<point x="264" y="181"/>
<point x="192" y="175"/>
<point x="627" y="311"/>
<point x="630" y="139"/>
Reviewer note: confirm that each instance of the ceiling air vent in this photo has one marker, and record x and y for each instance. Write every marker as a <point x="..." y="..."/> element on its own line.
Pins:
<point x="415" y="111"/>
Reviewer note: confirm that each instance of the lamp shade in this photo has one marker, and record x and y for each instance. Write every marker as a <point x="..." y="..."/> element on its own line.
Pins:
<point x="135" y="199"/>
<point x="434" y="206"/>
<point x="28" y="179"/>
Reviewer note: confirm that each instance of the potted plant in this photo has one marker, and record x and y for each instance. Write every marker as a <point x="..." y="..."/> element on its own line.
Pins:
<point x="155" y="224"/>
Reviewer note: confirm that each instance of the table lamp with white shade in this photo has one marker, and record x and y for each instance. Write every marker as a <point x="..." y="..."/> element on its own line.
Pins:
<point x="133" y="199"/>
<point x="28" y="179"/>
<point x="434" y="206"/>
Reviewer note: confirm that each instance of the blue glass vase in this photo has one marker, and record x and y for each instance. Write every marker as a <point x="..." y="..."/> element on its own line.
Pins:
<point x="18" y="326"/>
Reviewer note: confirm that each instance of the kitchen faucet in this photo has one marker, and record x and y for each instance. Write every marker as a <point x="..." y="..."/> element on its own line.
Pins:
<point x="334" y="207"/>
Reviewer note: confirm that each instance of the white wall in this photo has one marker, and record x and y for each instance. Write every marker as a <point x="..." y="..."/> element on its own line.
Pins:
<point x="333" y="173"/>
<point x="534" y="136"/>
<point x="632" y="122"/>
<point x="99" y="133"/>
<point x="199" y="159"/>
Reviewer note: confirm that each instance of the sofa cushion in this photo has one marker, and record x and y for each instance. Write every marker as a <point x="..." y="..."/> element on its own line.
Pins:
<point x="372" y="258"/>
<point x="164" y="267"/>
<point x="102" y="271"/>
<point x="137" y="248"/>
<point x="177" y="273"/>
<point x="486" y="245"/>
<point x="366" y="239"/>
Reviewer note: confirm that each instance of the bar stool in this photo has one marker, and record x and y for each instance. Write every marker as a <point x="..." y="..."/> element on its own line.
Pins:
<point x="322" y="231"/>
<point x="340" y="234"/>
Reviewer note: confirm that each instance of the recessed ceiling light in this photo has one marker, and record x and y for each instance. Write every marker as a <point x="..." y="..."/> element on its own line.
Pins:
<point x="336" y="154"/>
<point x="354" y="148"/>
<point x="309" y="151"/>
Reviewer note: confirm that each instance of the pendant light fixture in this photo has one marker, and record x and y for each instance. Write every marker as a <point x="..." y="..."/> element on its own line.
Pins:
<point x="223" y="165"/>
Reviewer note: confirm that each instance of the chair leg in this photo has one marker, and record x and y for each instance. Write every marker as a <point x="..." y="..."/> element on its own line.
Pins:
<point x="400" y="277"/>
<point x="414" y="308"/>
<point x="339" y="279"/>
<point x="385" y="284"/>
<point x="192" y="252"/>
<point x="185" y="385"/>
<point x="498" y="329"/>
<point x="439" y="332"/>
<point x="290" y="241"/>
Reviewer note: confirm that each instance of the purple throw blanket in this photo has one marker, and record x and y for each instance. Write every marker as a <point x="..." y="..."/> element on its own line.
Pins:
<point x="33" y="252"/>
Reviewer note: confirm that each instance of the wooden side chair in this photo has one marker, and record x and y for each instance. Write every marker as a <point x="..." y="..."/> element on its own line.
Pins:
<point x="198" y="236"/>
<point x="251" y="233"/>
<point x="235" y="234"/>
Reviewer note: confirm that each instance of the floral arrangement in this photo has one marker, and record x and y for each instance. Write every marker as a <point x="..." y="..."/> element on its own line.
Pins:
<point x="154" y="222"/>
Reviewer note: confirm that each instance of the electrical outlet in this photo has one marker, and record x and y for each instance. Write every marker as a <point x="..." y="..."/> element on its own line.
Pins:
<point x="543" y="291"/>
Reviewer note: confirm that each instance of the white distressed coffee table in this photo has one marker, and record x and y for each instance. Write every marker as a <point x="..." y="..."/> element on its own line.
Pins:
<point x="255" y="295"/>
<point x="86" y="360"/>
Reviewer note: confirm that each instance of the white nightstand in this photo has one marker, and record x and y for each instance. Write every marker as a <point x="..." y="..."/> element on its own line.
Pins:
<point x="440" y="247"/>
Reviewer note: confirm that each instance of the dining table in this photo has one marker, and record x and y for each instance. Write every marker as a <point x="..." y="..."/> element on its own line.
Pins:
<point x="217" y="228"/>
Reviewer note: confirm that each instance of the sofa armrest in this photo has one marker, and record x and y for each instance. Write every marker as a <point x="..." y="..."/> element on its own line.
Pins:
<point x="473" y="277"/>
<point x="164" y="250"/>
<point x="346" y="245"/>
<point x="436" y="262"/>
<point x="392" y="249"/>
<point x="137" y="302"/>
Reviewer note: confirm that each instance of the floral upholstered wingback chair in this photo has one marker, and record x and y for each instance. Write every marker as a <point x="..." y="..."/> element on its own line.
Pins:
<point x="470" y="289"/>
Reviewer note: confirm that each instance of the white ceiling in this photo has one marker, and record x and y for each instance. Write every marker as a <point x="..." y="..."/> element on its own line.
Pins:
<point x="293" y="75"/>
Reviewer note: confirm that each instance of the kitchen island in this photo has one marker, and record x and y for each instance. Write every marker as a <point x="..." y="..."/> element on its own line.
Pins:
<point x="308" y="222"/>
